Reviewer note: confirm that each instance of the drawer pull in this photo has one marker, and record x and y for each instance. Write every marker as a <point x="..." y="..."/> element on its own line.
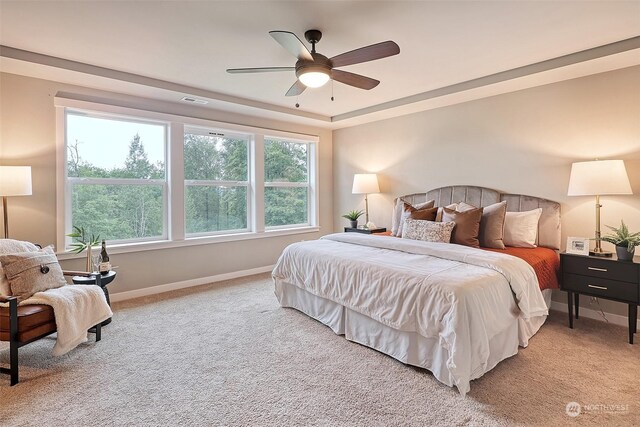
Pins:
<point x="597" y="269"/>
<point x="604" y="288"/>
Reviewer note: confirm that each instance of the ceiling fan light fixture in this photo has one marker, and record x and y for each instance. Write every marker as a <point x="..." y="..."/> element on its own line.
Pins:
<point x="314" y="78"/>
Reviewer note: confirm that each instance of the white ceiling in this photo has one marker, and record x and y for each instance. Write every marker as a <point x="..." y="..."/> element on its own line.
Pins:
<point x="192" y="43"/>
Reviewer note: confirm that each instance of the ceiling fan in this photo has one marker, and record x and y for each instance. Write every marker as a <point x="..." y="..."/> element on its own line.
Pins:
<point x="314" y="69"/>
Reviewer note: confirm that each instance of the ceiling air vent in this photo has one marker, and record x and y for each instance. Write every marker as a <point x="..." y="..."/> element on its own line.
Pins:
<point x="194" y="100"/>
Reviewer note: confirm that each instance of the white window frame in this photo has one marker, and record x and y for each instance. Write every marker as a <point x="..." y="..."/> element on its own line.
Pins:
<point x="70" y="182"/>
<point x="310" y="183"/>
<point x="196" y="130"/>
<point x="174" y="209"/>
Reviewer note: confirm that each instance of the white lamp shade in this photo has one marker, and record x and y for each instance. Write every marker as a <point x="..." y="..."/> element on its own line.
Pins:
<point x="365" y="183"/>
<point x="599" y="177"/>
<point x="15" y="180"/>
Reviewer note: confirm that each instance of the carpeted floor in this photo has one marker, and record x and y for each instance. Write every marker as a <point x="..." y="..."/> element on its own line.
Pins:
<point x="227" y="354"/>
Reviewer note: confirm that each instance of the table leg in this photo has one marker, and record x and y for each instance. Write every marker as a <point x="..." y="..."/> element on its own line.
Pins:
<point x="576" y="297"/>
<point x="633" y="321"/>
<point x="570" y="306"/>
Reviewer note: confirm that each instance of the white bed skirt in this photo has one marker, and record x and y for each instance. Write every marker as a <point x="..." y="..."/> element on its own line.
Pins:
<point x="407" y="347"/>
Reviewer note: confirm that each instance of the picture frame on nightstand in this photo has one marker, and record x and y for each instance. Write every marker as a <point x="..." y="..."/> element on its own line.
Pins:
<point x="578" y="246"/>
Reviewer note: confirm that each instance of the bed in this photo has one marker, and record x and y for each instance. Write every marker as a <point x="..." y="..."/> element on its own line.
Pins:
<point x="454" y="310"/>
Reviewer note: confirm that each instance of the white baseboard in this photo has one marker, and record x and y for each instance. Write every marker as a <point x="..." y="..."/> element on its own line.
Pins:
<point x="615" y="319"/>
<point x="152" y="290"/>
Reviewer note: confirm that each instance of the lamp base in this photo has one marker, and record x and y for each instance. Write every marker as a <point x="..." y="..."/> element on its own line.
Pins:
<point x="601" y="254"/>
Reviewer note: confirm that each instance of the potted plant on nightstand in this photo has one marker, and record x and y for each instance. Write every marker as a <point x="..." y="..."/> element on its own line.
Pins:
<point x="625" y="242"/>
<point x="353" y="217"/>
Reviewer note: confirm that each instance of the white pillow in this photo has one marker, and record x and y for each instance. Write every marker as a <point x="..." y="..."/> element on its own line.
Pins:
<point x="463" y="207"/>
<point x="398" y="217"/>
<point x="521" y="228"/>
<point x="429" y="231"/>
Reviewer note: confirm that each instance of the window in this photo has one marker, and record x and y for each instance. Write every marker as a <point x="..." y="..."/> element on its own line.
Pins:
<point x="216" y="181"/>
<point x="286" y="182"/>
<point x="116" y="182"/>
<point x="160" y="180"/>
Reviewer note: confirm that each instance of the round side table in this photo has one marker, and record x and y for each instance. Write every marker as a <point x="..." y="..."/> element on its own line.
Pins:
<point x="105" y="279"/>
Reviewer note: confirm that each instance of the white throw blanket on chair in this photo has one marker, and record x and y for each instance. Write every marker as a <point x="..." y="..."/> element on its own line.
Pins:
<point x="77" y="308"/>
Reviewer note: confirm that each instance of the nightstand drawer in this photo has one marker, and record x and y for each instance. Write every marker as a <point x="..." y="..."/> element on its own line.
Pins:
<point x="606" y="269"/>
<point x="614" y="289"/>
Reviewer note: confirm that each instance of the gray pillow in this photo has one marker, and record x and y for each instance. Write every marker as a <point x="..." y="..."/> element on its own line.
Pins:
<point x="31" y="272"/>
<point x="492" y="226"/>
<point x="10" y="246"/>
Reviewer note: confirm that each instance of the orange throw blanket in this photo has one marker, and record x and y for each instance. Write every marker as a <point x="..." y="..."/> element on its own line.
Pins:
<point x="545" y="262"/>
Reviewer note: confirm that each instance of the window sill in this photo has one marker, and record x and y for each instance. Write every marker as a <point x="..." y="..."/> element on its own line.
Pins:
<point x="194" y="241"/>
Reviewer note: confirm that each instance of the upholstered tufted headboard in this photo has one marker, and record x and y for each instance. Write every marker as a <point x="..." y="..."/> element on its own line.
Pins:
<point x="548" y="227"/>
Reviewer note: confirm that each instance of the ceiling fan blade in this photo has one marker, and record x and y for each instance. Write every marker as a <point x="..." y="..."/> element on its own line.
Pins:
<point x="297" y="88"/>
<point x="355" y="80"/>
<point x="368" y="53"/>
<point x="259" y="70"/>
<point x="292" y="44"/>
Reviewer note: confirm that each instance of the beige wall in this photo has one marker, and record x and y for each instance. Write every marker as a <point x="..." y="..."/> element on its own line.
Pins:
<point x="28" y="137"/>
<point x="522" y="142"/>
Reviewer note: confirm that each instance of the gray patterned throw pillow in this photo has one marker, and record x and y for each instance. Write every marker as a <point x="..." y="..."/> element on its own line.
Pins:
<point x="31" y="272"/>
<point x="429" y="231"/>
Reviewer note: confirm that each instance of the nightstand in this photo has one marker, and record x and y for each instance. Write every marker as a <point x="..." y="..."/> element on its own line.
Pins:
<point x="605" y="278"/>
<point x="364" y="230"/>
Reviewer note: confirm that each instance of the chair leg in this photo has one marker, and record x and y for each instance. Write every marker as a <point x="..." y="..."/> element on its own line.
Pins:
<point x="98" y="332"/>
<point x="13" y="340"/>
<point x="13" y="358"/>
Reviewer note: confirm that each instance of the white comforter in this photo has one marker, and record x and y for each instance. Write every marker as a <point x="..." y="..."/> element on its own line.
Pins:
<point x="460" y="295"/>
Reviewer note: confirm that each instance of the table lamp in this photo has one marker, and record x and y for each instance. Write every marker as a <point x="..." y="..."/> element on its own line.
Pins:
<point x="365" y="183"/>
<point x="598" y="178"/>
<point x="14" y="181"/>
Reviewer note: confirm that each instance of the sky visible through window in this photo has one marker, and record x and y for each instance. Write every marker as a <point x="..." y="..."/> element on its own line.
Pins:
<point x="105" y="143"/>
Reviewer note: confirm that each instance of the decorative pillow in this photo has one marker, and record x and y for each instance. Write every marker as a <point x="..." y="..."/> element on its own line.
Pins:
<point x="10" y="246"/>
<point x="31" y="272"/>
<point x="467" y="226"/>
<point x="492" y="226"/>
<point x="428" y="214"/>
<point x="521" y="228"/>
<point x="403" y="213"/>
<point x="463" y="207"/>
<point x="429" y="231"/>
<point x="453" y="206"/>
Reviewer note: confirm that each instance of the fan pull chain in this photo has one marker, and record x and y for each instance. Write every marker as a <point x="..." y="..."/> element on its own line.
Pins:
<point x="297" y="103"/>
<point x="332" y="89"/>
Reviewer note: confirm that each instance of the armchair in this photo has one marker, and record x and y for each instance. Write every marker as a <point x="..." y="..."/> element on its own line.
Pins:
<point x="24" y="324"/>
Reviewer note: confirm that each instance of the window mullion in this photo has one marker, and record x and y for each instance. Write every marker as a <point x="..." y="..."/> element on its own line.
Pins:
<point x="176" y="182"/>
<point x="257" y="184"/>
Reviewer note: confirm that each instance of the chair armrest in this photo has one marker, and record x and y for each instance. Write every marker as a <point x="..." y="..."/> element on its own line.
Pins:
<point x="7" y="299"/>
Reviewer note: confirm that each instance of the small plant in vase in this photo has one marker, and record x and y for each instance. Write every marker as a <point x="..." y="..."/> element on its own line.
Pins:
<point x="82" y="241"/>
<point x="625" y="241"/>
<point x="353" y="216"/>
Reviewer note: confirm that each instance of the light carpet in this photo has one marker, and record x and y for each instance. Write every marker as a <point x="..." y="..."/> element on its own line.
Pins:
<point x="227" y="354"/>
